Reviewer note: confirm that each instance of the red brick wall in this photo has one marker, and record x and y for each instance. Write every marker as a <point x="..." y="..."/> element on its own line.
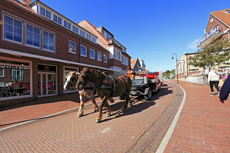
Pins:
<point x="62" y="36"/>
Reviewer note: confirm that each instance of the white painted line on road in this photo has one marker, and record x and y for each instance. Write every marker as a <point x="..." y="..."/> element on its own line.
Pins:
<point x="168" y="135"/>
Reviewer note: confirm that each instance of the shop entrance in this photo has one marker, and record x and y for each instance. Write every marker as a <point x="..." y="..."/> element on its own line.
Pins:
<point x="47" y="83"/>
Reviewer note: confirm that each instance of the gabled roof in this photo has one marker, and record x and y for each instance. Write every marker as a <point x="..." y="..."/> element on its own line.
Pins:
<point x="133" y="63"/>
<point x="223" y="16"/>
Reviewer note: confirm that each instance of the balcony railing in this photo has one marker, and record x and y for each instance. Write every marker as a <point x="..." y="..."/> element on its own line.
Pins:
<point x="213" y="34"/>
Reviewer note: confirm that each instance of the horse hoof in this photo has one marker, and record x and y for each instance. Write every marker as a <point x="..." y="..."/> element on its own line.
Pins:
<point x="98" y="121"/>
<point x="108" y="115"/>
<point x="96" y="110"/>
<point x="78" y="116"/>
<point x="124" y="109"/>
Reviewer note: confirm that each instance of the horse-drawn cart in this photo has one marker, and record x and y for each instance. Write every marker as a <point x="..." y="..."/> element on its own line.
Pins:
<point x="145" y="83"/>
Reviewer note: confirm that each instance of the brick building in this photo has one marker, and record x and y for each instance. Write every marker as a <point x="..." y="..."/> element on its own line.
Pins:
<point x="38" y="47"/>
<point x="217" y="28"/>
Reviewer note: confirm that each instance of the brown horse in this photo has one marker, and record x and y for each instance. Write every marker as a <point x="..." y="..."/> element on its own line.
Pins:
<point x="71" y="80"/>
<point x="106" y="88"/>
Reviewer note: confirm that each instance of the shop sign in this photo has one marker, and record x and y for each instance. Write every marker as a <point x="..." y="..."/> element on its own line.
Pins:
<point x="10" y="67"/>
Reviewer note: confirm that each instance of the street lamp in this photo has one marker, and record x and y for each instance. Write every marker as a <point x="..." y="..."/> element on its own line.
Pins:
<point x="176" y="66"/>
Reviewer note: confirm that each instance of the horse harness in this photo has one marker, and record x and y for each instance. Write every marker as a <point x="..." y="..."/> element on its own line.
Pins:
<point x="101" y="83"/>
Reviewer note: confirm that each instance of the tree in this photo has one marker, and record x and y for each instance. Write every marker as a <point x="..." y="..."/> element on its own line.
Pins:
<point x="167" y="73"/>
<point x="212" y="54"/>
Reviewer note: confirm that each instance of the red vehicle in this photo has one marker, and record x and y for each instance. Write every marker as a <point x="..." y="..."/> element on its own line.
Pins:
<point x="145" y="83"/>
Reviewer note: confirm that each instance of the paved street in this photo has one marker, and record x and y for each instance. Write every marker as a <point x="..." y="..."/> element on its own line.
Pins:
<point x="203" y="124"/>
<point x="67" y="133"/>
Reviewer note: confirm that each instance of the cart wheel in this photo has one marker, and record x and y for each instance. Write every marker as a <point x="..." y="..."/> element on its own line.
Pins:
<point x="148" y="91"/>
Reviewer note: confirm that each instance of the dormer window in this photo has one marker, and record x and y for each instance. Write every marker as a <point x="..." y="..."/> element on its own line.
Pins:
<point x="45" y="13"/>
<point x="57" y="19"/>
<point x="228" y="11"/>
<point x="67" y="25"/>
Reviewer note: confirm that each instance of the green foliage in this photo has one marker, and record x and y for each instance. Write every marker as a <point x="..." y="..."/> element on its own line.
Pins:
<point x="168" y="73"/>
<point x="212" y="54"/>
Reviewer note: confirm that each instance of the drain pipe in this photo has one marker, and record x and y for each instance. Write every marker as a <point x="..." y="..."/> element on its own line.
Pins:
<point x="80" y="50"/>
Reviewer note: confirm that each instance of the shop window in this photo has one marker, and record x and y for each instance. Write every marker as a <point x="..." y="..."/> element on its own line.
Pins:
<point x="14" y="79"/>
<point x="67" y="71"/>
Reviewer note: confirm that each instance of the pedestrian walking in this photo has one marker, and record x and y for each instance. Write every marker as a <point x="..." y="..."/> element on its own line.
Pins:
<point x="213" y="79"/>
<point x="225" y="90"/>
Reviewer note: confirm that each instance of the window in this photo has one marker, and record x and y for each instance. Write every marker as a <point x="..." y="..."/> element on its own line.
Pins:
<point x="75" y="29"/>
<point x="124" y="60"/>
<point x="93" y="39"/>
<point x="82" y="33"/>
<point x="16" y="75"/>
<point x="57" y="19"/>
<point x="117" y="54"/>
<point x="12" y="29"/>
<point x="42" y="11"/>
<point x="32" y="36"/>
<point x="105" y="58"/>
<point x="99" y="56"/>
<point x="72" y="47"/>
<point x="83" y="51"/>
<point x="92" y="54"/>
<point x="67" y="25"/>
<point x="48" y="41"/>
<point x="88" y="36"/>
<point x="48" y="14"/>
<point x="1" y="72"/>
<point x="45" y="13"/>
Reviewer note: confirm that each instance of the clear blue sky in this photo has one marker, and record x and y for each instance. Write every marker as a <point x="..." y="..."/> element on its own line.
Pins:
<point x="151" y="30"/>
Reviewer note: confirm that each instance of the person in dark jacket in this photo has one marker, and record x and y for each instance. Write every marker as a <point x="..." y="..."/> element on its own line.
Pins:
<point x="225" y="90"/>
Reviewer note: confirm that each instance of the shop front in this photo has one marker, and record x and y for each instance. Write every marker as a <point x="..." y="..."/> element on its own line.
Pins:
<point x="47" y="80"/>
<point x="15" y="78"/>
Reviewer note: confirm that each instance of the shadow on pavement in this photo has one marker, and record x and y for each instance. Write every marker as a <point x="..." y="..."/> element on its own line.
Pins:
<point x="74" y="97"/>
<point x="139" y="104"/>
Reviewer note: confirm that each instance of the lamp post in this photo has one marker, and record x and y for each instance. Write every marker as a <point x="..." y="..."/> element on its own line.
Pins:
<point x="176" y="66"/>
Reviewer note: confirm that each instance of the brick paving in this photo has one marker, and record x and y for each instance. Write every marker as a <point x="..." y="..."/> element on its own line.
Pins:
<point x="67" y="133"/>
<point x="203" y="125"/>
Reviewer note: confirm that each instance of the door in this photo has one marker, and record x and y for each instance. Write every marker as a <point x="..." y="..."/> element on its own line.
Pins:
<point x="47" y="84"/>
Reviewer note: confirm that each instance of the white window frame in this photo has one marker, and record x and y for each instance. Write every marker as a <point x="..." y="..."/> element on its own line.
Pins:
<point x="71" y="42"/>
<point x="33" y="37"/>
<point x="22" y="31"/>
<point x="82" y="33"/>
<point x="105" y="57"/>
<point x="68" y="25"/>
<point x="99" y="56"/>
<point x="93" y="54"/>
<point x="58" y="18"/>
<point x="94" y="39"/>
<point x="21" y="75"/>
<point x="85" y="51"/>
<point x="3" y="72"/>
<point x="76" y="29"/>
<point x="48" y="41"/>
